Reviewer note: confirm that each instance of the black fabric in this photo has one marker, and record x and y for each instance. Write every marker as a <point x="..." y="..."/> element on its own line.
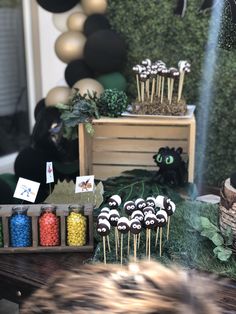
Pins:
<point x="77" y="70"/>
<point x="57" y="6"/>
<point x="94" y="23"/>
<point x="105" y="51"/>
<point x="39" y="106"/>
<point x="206" y="5"/>
<point x="232" y="4"/>
<point x="227" y="36"/>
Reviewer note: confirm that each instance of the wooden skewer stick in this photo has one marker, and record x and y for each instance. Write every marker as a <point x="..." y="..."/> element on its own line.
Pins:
<point x="160" y="248"/>
<point x="157" y="84"/>
<point x="162" y="88"/>
<point x="117" y="235"/>
<point x="116" y="242"/>
<point x="142" y="91"/>
<point x="148" y="88"/>
<point x="149" y="244"/>
<point x="135" y="247"/>
<point x="168" y="89"/>
<point x="138" y="87"/>
<point x="108" y="244"/>
<point x="104" y="249"/>
<point x="157" y="234"/>
<point x="153" y="89"/>
<point x="181" y="83"/>
<point x="121" y="248"/>
<point x="139" y="238"/>
<point x="146" y="242"/>
<point x="128" y="246"/>
<point x="168" y="228"/>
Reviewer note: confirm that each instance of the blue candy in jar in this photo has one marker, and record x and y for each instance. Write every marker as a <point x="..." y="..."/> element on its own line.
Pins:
<point x="20" y="227"/>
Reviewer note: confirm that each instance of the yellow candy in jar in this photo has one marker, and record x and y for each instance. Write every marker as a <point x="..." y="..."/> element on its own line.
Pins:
<point x="76" y="228"/>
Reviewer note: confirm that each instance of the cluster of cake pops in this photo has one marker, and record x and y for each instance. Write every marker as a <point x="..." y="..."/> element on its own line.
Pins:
<point x="151" y="214"/>
<point x="151" y="78"/>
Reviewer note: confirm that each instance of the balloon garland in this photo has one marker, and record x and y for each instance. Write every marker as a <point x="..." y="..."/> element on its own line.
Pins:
<point x="94" y="53"/>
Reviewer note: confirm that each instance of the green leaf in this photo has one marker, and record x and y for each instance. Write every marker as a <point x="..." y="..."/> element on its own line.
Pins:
<point x="206" y="224"/>
<point x="62" y="106"/>
<point x="217" y="239"/>
<point x="89" y="128"/>
<point x="222" y="253"/>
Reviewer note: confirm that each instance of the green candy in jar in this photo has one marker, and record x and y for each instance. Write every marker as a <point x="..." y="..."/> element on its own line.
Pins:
<point x="76" y="226"/>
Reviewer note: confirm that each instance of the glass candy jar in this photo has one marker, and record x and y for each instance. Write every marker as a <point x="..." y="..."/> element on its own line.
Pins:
<point x="20" y="227"/>
<point x="76" y="226"/>
<point x="1" y="235"/>
<point x="49" y="226"/>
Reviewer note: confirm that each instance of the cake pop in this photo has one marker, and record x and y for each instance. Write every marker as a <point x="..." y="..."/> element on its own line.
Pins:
<point x="103" y="228"/>
<point x="129" y="207"/>
<point x="114" y="201"/>
<point x="161" y="216"/>
<point x="135" y="229"/>
<point x="123" y="226"/>
<point x="140" y="204"/>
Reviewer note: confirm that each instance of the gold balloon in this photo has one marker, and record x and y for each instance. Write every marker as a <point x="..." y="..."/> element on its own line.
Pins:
<point x="59" y="94"/>
<point x="76" y="21"/>
<point x="88" y="84"/>
<point x="69" y="46"/>
<point x="94" y="6"/>
<point x="60" y="19"/>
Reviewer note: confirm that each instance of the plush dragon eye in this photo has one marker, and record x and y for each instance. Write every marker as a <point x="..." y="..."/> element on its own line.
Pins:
<point x="169" y="160"/>
<point x="159" y="158"/>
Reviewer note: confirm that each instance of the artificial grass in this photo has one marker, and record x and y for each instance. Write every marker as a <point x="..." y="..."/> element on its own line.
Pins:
<point x="186" y="246"/>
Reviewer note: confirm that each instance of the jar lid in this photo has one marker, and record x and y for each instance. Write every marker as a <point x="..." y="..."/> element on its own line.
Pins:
<point x="48" y="208"/>
<point x="75" y="208"/>
<point x="19" y="209"/>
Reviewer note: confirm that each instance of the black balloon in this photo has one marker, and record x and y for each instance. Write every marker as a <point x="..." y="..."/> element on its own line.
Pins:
<point x="7" y="188"/>
<point x="31" y="164"/>
<point x="77" y="70"/>
<point x="94" y="23"/>
<point x="39" y="107"/>
<point x="57" y="6"/>
<point x="105" y="51"/>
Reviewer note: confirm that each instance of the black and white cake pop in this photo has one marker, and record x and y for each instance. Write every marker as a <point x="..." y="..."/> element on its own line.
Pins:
<point x="150" y="221"/>
<point x="161" y="216"/>
<point x="135" y="226"/>
<point x="114" y="217"/>
<point x="123" y="225"/>
<point x="170" y="208"/>
<point x="140" y="203"/>
<point x="151" y="201"/>
<point x="148" y="210"/>
<point x="129" y="207"/>
<point x="138" y="215"/>
<point x="114" y="201"/>
<point x="162" y="201"/>
<point x="105" y="210"/>
<point x="103" y="216"/>
<point x="103" y="227"/>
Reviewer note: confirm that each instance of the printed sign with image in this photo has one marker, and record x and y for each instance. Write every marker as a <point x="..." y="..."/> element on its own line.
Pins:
<point x="49" y="172"/>
<point x="26" y="190"/>
<point x="84" y="184"/>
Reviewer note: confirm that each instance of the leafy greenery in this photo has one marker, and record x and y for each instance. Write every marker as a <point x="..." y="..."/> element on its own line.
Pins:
<point x="151" y="30"/>
<point x="186" y="246"/>
<point x="112" y="103"/>
<point x="80" y="109"/>
<point x="212" y="232"/>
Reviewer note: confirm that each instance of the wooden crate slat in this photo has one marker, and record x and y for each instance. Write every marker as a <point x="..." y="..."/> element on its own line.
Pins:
<point x="104" y="171"/>
<point x="143" y="121"/>
<point x="124" y="158"/>
<point x="128" y="131"/>
<point x="134" y="145"/>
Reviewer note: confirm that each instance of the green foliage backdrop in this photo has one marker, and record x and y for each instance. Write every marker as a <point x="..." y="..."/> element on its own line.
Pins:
<point x="151" y="30"/>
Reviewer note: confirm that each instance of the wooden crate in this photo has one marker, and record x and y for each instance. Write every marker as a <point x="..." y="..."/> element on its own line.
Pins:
<point x="34" y="212"/>
<point x="125" y="143"/>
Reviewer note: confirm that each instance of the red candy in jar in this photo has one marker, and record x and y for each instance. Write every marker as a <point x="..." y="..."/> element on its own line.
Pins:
<point x="49" y="226"/>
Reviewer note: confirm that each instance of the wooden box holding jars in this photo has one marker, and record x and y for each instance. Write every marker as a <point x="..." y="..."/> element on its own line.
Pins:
<point x="46" y="228"/>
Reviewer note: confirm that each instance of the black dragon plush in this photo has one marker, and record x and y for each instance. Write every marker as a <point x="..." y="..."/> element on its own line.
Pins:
<point x="172" y="168"/>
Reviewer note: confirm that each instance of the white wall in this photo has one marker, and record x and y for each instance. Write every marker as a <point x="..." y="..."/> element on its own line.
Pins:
<point x="52" y="69"/>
